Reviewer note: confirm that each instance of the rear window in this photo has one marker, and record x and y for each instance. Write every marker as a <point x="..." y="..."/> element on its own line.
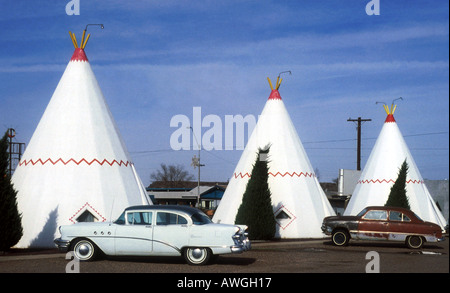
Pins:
<point x="398" y="216"/>
<point x="200" y="219"/>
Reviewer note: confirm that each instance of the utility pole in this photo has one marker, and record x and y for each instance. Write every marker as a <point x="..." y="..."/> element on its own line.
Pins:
<point x="11" y="134"/>
<point x="15" y="151"/>
<point x="196" y="163"/>
<point x="358" y="154"/>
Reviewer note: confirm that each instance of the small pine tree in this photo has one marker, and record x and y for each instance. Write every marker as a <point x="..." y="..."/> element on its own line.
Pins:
<point x="256" y="209"/>
<point x="10" y="220"/>
<point x="397" y="196"/>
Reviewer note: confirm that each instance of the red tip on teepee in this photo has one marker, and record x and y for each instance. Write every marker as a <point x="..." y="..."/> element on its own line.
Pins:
<point x="79" y="55"/>
<point x="389" y="118"/>
<point x="274" y="95"/>
<point x="390" y="113"/>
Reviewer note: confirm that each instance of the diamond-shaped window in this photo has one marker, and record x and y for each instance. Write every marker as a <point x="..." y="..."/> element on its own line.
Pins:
<point x="86" y="216"/>
<point x="284" y="217"/>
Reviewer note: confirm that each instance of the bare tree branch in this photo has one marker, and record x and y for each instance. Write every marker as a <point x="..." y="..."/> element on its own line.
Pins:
<point x="171" y="173"/>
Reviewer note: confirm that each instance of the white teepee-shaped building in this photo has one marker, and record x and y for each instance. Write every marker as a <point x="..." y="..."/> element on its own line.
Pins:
<point x="381" y="171"/>
<point x="299" y="203"/>
<point x="76" y="167"/>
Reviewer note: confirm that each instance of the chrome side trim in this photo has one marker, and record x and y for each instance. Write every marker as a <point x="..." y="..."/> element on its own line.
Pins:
<point x="168" y="244"/>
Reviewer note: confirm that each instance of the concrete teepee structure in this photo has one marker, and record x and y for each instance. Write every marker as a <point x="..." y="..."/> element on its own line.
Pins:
<point x="76" y="167"/>
<point x="381" y="171"/>
<point x="299" y="203"/>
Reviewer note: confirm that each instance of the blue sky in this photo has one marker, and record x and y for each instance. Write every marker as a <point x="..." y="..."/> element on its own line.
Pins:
<point x="157" y="59"/>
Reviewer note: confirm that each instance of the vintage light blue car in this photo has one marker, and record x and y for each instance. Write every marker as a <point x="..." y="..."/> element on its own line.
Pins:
<point x="155" y="230"/>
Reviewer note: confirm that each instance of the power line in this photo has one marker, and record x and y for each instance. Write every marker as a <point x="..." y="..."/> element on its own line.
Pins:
<point x="429" y="133"/>
<point x="369" y="138"/>
<point x="307" y="142"/>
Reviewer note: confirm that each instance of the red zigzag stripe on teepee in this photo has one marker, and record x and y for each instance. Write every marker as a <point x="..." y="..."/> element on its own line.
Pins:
<point x="240" y="175"/>
<point x="32" y="162"/>
<point x="293" y="174"/>
<point x="236" y="175"/>
<point x="389" y="181"/>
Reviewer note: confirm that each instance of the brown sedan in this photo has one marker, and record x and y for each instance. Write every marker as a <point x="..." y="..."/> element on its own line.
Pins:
<point x="382" y="223"/>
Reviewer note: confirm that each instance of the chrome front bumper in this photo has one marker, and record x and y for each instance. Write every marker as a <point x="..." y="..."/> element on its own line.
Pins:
<point x="326" y="229"/>
<point x="63" y="245"/>
<point x="241" y="243"/>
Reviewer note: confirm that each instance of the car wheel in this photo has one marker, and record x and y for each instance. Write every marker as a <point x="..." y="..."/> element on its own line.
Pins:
<point x="414" y="242"/>
<point x="84" y="250"/>
<point x="197" y="255"/>
<point x="340" y="238"/>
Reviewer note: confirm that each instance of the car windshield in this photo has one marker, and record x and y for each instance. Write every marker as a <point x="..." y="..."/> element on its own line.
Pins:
<point x="361" y="213"/>
<point x="120" y="220"/>
<point x="200" y="218"/>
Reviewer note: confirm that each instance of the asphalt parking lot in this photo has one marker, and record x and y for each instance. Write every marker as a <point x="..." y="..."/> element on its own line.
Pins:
<point x="300" y="256"/>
